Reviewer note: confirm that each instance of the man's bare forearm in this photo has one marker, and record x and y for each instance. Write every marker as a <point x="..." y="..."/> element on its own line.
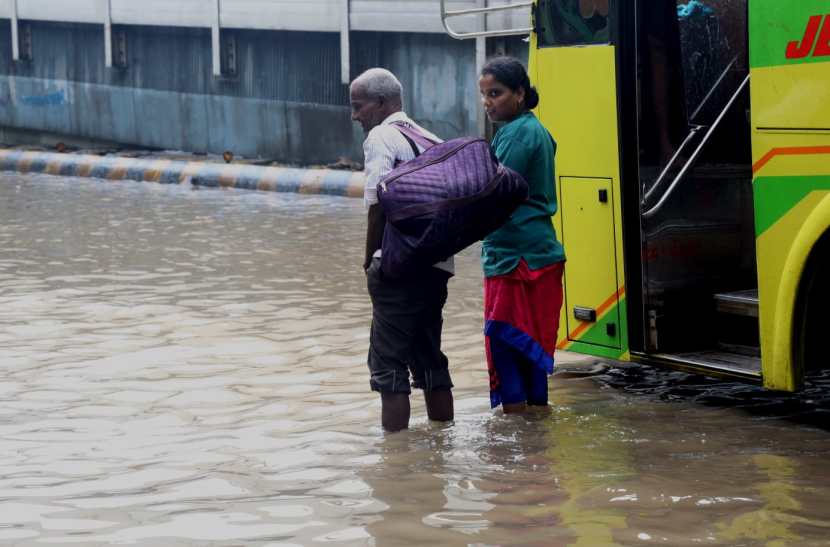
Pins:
<point x="374" y="232"/>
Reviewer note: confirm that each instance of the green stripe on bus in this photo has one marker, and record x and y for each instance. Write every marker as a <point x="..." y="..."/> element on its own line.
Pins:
<point x="590" y="341"/>
<point x="595" y="350"/>
<point x="773" y="24"/>
<point x="775" y="196"/>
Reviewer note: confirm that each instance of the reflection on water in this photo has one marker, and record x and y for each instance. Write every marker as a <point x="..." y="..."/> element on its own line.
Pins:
<point x="182" y="367"/>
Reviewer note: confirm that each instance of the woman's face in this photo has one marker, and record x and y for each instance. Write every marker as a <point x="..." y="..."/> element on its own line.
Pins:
<point x="501" y="103"/>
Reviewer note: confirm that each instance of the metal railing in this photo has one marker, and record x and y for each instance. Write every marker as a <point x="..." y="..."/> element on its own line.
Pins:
<point x="694" y="131"/>
<point x="651" y="212"/>
<point x="667" y="169"/>
<point x="714" y="88"/>
<point x="483" y="11"/>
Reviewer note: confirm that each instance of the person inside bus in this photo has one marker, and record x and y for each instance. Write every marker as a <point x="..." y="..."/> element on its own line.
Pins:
<point x="406" y="314"/>
<point x="523" y="261"/>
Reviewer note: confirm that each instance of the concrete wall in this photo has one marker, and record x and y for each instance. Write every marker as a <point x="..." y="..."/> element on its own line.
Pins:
<point x="287" y="101"/>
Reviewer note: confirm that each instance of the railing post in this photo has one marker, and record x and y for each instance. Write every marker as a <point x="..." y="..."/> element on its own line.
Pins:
<point x="481" y="58"/>
<point x="345" y="53"/>
<point x="15" y="33"/>
<point x="215" y="38"/>
<point x="108" y="33"/>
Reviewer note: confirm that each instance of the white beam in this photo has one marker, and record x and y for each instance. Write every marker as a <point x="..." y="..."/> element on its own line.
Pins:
<point x="215" y="38"/>
<point x="15" y="33"/>
<point x="481" y="59"/>
<point x="294" y="15"/>
<point x="165" y="13"/>
<point x="345" y="54"/>
<point x="299" y="15"/>
<point x="107" y="33"/>
<point x="69" y="11"/>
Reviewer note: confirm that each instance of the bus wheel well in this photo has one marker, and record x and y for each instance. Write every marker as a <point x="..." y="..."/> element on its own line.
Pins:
<point x="811" y="305"/>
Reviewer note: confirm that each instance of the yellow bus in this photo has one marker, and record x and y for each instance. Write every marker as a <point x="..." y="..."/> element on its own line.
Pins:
<point x="693" y="177"/>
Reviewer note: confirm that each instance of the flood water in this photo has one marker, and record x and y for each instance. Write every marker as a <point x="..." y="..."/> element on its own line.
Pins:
<point x="187" y="367"/>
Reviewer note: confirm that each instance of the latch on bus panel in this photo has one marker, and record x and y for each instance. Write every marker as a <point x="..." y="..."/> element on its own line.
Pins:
<point x="585" y="314"/>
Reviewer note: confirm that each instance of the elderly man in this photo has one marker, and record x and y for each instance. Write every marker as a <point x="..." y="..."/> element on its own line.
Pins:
<point x="406" y="314"/>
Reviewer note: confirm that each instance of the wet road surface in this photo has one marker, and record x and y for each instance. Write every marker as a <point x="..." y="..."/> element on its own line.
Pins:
<point x="187" y="367"/>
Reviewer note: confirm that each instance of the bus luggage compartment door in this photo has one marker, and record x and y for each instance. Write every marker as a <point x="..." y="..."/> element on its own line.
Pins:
<point x="587" y="209"/>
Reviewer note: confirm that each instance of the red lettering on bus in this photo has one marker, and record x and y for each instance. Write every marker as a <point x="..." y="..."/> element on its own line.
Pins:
<point x="823" y="43"/>
<point x="799" y="51"/>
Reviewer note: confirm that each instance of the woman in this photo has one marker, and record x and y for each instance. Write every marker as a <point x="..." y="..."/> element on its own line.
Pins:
<point x="523" y="261"/>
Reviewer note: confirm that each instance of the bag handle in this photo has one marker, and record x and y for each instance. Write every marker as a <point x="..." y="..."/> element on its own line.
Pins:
<point x="414" y="137"/>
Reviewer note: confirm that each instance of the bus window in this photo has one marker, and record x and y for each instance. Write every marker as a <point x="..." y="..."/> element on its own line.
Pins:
<point x="692" y="53"/>
<point x="713" y="41"/>
<point x="573" y="22"/>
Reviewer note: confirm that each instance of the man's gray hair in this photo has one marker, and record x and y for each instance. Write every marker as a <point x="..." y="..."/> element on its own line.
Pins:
<point x="379" y="82"/>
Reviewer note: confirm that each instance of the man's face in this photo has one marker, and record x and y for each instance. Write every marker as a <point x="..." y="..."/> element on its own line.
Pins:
<point x="368" y="111"/>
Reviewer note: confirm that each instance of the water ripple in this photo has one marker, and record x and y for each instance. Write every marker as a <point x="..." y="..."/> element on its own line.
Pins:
<point x="184" y="367"/>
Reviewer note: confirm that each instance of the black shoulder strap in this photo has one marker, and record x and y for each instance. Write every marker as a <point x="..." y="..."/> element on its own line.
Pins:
<point x="414" y="137"/>
<point x="411" y="143"/>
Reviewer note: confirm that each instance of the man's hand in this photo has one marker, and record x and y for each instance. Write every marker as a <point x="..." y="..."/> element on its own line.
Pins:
<point x="374" y="233"/>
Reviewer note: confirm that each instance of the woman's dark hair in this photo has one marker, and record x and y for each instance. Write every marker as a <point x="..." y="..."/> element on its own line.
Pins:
<point x="510" y="72"/>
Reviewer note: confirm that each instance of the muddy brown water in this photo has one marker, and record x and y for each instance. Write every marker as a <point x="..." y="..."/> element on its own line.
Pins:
<point x="187" y="367"/>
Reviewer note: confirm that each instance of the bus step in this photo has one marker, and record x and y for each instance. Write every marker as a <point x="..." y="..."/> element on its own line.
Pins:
<point x="738" y="303"/>
<point x="727" y="365"/>
<point x="740" y="349"/>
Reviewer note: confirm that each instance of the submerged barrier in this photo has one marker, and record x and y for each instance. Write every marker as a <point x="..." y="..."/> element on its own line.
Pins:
<point x="211" y="175"/>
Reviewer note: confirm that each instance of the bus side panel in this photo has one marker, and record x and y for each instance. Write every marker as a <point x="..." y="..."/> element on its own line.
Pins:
<point x="783" y="251"/>
<point x="581" y="113"/>
<point x="790" y="76"/>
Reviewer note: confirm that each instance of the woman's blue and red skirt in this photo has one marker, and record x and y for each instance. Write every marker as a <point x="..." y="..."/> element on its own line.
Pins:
<point x="521" y="312"/>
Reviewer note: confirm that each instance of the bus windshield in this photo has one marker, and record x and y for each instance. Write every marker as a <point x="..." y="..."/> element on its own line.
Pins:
<point x="573" y="22"/>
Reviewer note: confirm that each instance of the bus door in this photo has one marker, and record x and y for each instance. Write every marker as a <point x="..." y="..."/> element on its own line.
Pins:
<point x="699" y="279"/>
<point x="573" y="65"/>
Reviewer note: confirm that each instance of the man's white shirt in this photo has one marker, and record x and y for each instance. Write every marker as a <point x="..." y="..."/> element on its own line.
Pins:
<point x="383" y="148"/>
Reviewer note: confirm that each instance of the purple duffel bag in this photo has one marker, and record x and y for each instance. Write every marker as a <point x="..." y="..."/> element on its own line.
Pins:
<point x="450" y="196"/>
